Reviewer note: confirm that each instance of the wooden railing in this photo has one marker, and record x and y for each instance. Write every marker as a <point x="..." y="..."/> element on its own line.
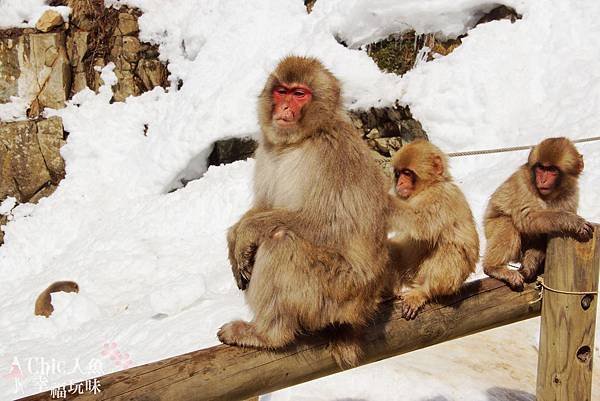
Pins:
<point x="232" y="373"/>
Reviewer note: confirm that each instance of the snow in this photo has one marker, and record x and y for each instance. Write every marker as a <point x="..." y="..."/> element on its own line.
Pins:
<point x="14" y="110"/>
<point x="25" y="13"/>
<point x="151" y="263"/>
<point x="359" y="23"/>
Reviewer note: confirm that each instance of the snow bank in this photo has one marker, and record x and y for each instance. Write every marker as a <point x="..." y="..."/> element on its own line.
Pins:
<point x="358" y="23"/>
<point x="25" y="13"/>
<point x="151" y="263"/>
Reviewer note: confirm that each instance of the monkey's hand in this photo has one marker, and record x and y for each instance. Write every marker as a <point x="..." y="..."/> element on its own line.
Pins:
<point x="242" y="253"/>
<point x="584" y="231"/>
<point x="241" y="260"/>
<point x="529" y="274"/>
<point x="412" y="302"/>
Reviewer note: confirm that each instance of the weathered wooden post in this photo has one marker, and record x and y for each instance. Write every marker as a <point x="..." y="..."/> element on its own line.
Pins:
<point x="568" y="320"/>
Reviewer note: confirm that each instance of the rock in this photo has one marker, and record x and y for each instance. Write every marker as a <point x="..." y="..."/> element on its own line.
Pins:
<point x="371" y="120"/>
<point x="356" y="121"/>
<point x="77" y="48"/>
<point x="127" y="24"/>
<point x="386" y="146"/>
<point x="43" y="59"/>
<point x="499" y="13"/>
<point x="230" y="150"/>
<point x="3" y="221"/>
<point x="388" y="122"/>
<point x="152" y="73"/>
<point x="84" y="14"/>
<point x="411" y="130"/>
<point x="23" y="169"/>
<point x="309" y="5"/>
<point x="99" y="63"/>
<point x="373" y="134"/>
<point x="9" y="69"/>
<point x="30" y="159"/>
<point x="394" y="145"/>
<point x="50" y="137"/>
<point x="126" y="86"/>
<point x="393" y="114"/>
<point x="383" y="162"/>
<point x="44" y="192"/>
<point x="397" y="53"/>
<point x="389" y="129"/>
<point x="50" y="19"/>
<point x="79" y="82"/>
<point x="35" y="67"/>
<point x="131" y="48"/>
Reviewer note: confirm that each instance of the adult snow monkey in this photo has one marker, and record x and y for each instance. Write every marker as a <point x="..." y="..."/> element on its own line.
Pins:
<point x="436" y="246"/>
<point x="311" y="252"/>
<point x="538" y="200"/>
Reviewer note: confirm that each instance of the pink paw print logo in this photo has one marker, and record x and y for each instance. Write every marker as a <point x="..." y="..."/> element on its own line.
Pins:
<point x="121" y="360"/>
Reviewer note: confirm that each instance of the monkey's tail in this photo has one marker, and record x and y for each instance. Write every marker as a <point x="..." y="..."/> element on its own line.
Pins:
<point x="346" y="347"/>
<point x="43" y="303"/>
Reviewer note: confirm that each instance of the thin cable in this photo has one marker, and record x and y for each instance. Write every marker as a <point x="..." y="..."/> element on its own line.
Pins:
<point x="512" y="148"/>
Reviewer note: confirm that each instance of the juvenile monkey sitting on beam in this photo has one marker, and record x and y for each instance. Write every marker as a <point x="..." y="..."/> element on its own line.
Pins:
<point x="436" y="246"/>
<point x="538" y="200"/>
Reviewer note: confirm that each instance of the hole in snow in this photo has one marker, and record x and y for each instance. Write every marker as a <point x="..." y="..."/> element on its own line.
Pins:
<point x="223" y="151"/>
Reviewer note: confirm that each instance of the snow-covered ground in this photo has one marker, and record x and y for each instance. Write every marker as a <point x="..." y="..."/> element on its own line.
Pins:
<point x="151" y="264"/>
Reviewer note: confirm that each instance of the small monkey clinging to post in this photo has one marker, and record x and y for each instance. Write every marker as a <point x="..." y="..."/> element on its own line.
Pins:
<point x="311" y="251"/>
<point x="436" y="246"/>
<point x="538" y="200"/>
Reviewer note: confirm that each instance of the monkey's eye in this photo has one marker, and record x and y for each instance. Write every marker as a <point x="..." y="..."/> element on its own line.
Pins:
<point x="408" y="173"/>
<point x="280" y="90"/>
<point x="396" y="174"/>
<point x="300" y="92"/>
<point x="548" y="169"/>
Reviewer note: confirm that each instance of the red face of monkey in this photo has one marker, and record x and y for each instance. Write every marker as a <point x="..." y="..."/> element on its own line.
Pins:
<point x="405" y="183"/>
<point x="546" y="178"/>
<point x="289" y="100"/>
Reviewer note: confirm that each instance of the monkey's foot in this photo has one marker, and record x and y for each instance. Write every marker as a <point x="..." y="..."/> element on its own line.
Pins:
<point x="238" y="333"/>
<point x="412" y="301"/>
<point x="529" y="274"/>
<point x="513" y="278"/>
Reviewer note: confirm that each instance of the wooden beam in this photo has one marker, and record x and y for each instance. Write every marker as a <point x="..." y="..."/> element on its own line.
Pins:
<point x="568" y="320"/>
<point x="232" y="373"/>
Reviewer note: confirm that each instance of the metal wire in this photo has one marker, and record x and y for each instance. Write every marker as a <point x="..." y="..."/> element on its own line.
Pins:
<point x="511" y="149"/>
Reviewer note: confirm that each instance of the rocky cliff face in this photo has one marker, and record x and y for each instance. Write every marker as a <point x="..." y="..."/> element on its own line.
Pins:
<point x="30" y="161"/>
<point x="45" y="66"/>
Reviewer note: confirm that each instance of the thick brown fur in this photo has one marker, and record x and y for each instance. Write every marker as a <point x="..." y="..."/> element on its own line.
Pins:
<point x="518" y="218"/>
<point x="436" y="245"/>
<point x="311" y="251"/>
<point x="43" y="303"/>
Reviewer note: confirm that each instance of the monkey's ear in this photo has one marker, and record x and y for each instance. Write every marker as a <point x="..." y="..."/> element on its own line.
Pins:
<point x="438" y="165"/>
<point x="580" y="164"/>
